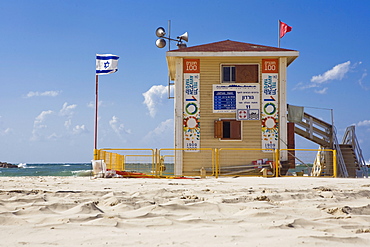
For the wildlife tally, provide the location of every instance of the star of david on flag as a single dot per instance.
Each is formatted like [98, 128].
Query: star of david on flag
[106, 64]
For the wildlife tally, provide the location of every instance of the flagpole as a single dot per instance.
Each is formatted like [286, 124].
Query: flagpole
[96, 117]
[279, 33]
[105, 64]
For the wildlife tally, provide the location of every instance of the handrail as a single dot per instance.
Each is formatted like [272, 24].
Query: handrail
[350, 138]
[340, 159]
[318, 130]
[315, 130]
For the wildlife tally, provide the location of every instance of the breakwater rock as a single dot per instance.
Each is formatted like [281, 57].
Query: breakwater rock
[7, 165]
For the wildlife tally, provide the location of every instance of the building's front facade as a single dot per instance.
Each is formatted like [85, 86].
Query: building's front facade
[229, 95]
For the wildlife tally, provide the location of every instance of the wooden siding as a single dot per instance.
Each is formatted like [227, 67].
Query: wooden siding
[210, 69]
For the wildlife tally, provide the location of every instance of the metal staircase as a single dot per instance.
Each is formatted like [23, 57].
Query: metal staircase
[349, 155]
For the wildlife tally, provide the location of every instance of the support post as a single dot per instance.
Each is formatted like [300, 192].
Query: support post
[277, 162]
[335, 169]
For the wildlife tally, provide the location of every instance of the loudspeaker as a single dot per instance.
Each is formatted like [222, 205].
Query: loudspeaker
[184, 36]
[160, 32]
[160, 43]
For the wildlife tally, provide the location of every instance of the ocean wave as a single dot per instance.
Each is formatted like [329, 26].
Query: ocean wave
[22, 165]
[82, 173]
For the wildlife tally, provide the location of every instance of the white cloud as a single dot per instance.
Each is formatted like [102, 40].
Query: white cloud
[67, 110]
[361, 81]
[118, 127]
[322, 91]
[153, 97]
[68, 123]
[163, 132]
[38, 124]
[364, 123]
[336, 73]
[53, 137]
[41, 118]
[91, 104]
[6, 131]
[46, 93]
[302, 86]
[79, 129]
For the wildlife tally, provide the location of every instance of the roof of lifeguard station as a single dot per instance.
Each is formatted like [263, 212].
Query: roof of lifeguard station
[229, 48]
[229, 45]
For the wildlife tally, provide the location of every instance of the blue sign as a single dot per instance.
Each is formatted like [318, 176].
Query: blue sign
[224, 100]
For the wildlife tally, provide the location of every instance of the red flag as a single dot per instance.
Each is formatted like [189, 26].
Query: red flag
[284, 28]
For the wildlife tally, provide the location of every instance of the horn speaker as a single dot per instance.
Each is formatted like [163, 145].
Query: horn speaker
[184, 36]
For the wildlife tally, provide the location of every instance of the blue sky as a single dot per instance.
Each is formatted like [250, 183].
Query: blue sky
[48, 68]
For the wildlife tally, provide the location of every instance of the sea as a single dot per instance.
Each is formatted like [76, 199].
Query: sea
[81, 169]
[45, 169]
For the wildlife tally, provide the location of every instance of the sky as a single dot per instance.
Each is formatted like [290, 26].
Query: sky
[47, 79]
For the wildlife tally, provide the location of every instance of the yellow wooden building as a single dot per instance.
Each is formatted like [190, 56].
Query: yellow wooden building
[232, 96]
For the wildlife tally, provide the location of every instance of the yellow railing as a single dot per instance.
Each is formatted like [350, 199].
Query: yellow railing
[217, 162]
[116, 158]
[207, 157]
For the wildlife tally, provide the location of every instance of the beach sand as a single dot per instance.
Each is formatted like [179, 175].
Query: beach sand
[254, 211]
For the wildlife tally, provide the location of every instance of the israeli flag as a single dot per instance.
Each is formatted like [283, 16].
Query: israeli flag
[106, 64]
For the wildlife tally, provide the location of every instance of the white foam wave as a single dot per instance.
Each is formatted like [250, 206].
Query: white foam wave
[82, 173]
[22, 165]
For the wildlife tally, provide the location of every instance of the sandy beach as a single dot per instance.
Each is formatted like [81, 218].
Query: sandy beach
[80, 211]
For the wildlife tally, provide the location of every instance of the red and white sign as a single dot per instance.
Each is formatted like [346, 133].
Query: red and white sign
[191, 66]
[242, 114]
[270, 66]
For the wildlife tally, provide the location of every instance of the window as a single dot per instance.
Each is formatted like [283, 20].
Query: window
[228, 129]
[228, 74]
[247, 73]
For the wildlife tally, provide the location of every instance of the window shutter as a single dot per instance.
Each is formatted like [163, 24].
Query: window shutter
[246, 73]
[235, 130]
[218, 129]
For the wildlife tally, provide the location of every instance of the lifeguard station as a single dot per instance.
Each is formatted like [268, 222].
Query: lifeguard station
[231, 118]
[231, 97]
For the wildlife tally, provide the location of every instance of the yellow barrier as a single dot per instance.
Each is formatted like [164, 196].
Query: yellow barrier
[198, 158]
[117, 159]
[216, 161]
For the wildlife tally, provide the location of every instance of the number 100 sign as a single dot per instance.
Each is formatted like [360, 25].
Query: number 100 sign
[191, 66]
[270, 66]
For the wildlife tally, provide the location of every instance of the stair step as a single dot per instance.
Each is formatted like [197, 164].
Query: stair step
[345, 145]
[350, 159]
